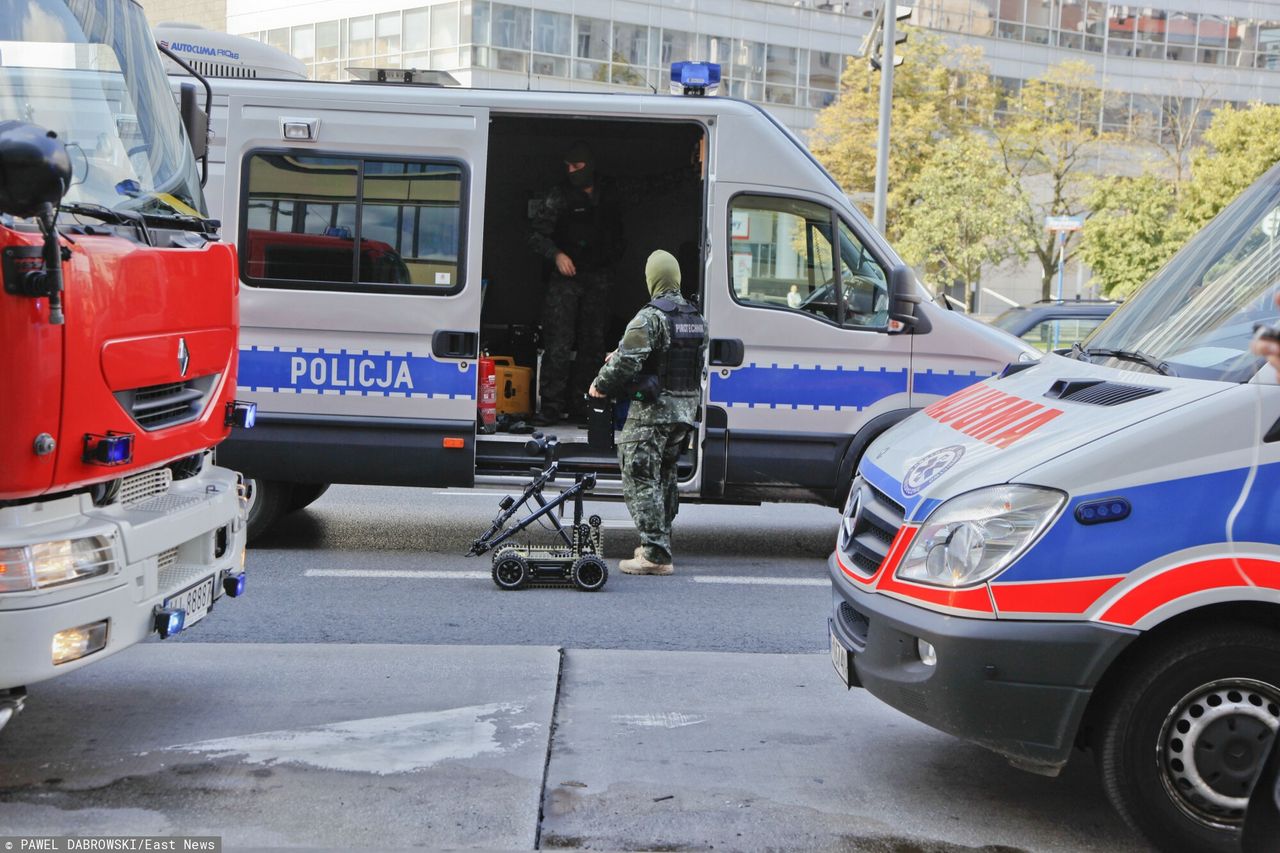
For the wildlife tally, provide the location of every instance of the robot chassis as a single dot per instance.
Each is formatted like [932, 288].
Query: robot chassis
[575, 560]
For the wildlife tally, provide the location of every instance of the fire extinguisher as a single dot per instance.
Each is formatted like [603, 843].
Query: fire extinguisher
[488, 418]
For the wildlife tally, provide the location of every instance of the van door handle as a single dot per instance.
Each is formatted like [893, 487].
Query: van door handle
[726, 352]
[450, 344]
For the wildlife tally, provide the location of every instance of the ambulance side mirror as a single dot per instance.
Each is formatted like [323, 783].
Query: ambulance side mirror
[904, 302]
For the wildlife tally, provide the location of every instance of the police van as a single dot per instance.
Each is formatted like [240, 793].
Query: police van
[382, 231]
[1085, 550]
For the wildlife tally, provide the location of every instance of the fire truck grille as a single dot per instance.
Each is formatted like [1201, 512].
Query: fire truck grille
[159, 406]
[139, 487]
[868, 528]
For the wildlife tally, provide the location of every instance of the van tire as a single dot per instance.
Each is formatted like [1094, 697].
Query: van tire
[267, 502]
[1229, 677]
[305, 494]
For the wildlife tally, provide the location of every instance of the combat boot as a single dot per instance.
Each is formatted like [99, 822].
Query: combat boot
[642, 565]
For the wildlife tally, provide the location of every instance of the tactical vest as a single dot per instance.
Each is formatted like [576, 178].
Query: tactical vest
[679, 367]
[588, 231]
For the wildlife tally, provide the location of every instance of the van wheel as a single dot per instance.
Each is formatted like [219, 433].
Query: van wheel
[267, 502]
[305, 494]
[1185, 734]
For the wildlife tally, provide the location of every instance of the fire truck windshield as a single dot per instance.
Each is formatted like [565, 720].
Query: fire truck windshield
[1195, 317]
[90, 71]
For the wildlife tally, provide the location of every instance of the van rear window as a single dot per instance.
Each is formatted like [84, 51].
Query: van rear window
[352, 223]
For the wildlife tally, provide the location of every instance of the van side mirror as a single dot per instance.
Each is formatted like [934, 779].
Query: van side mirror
[904, 299]
[194, 120]
[35, 169]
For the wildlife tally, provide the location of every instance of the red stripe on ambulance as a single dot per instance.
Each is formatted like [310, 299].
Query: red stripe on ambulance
[989, 415]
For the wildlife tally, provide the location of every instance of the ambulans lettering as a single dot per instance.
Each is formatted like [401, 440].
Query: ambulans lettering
[361, 373]
[351, 372]
[989, 415]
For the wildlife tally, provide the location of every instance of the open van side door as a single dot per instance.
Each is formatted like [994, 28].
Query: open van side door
[358, 221]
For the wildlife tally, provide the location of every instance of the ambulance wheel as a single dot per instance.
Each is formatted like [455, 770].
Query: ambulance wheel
[305, 494]
[590, 573]
[268, 500]
[510, 571]
[1185, 732]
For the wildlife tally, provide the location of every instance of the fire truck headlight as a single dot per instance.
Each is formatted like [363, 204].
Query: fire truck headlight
[46, 564]
[973, 537]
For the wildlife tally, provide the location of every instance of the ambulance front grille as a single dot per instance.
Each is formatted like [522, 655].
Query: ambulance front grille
[865, 535]
[139, 487]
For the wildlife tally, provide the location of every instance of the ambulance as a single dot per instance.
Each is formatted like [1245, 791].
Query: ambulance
[362, 344]
[1084, 551]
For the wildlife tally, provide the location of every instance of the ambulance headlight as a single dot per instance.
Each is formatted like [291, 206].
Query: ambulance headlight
[971, 538]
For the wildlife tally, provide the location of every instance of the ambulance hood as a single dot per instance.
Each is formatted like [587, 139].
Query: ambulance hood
[996, 430]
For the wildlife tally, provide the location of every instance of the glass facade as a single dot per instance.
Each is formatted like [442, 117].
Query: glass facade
[472, 35]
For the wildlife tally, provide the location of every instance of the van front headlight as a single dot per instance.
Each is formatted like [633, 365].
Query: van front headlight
[46, 564]
[973, 537]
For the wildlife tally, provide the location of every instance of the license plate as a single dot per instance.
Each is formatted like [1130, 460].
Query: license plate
[195, 600]
[840, 660]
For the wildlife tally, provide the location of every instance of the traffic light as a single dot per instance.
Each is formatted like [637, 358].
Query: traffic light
[873, 43]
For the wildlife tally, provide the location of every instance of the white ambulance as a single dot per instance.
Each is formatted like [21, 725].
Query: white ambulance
[1086, 552]
[382, 229]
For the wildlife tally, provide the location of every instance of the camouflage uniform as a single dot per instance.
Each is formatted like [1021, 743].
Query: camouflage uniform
[588, 228]
[655, 433]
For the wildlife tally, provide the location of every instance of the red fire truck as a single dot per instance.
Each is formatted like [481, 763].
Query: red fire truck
[118, 326]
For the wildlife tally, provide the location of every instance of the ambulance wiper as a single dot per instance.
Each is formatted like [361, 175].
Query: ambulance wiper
[1161, 367]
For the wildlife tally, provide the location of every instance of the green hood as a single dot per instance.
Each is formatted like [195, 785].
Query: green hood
[662, 273]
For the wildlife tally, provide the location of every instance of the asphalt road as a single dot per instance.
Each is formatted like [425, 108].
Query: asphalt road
[375, 690]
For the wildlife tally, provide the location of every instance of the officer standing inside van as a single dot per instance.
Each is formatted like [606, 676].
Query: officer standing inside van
[658, 366]
[578, 228]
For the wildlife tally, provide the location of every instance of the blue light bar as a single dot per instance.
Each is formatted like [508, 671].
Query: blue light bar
[695, 78]
[169, 621]
[241, 414]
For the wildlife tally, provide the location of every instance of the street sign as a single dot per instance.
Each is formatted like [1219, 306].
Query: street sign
[1063, 223]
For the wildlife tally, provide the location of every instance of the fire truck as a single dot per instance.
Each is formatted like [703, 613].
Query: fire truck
[118, 324]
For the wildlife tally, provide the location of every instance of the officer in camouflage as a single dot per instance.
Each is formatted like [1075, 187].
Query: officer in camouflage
[658, 366]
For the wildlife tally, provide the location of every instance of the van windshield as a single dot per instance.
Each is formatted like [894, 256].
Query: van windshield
[1195, 317]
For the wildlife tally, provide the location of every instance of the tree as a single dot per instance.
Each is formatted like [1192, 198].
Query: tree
[1239, 146]
[964, 215]
[938, 92]
[1045, 146]
[1131, 232]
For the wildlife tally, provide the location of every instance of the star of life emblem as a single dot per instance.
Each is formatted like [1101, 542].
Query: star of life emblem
[929, 468]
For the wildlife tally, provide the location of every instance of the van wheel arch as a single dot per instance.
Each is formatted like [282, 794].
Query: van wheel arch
[862, 439]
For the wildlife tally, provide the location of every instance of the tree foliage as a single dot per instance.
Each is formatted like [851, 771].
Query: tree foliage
[938, 92]
[1131, 230]
[964, 215]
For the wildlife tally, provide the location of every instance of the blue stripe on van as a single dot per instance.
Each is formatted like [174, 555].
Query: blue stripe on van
[364, 373]
[806, 387]
[945, 384]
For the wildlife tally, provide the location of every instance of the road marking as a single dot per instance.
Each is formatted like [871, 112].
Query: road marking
[424, 574]
[761, 581]
[470, 493]
[434, 574]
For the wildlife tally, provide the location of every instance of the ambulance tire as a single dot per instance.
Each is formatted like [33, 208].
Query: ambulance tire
[305, 494]
[1203, 707]
[268, 500]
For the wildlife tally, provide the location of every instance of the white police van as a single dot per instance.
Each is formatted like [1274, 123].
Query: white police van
[382, 238]
[1086, 551]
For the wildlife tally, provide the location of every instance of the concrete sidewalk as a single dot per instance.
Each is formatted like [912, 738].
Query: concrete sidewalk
[396, 746]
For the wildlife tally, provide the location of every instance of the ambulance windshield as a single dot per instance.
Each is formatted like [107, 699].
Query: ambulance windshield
[90, 71]
[1195, 317]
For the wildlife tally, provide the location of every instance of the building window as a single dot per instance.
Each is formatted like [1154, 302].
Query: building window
[361, 39]
[552, 33]
[510, 27]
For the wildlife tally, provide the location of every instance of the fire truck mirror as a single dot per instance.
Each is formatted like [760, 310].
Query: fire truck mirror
[35, 169]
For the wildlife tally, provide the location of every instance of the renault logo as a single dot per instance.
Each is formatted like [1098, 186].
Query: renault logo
[184, 357]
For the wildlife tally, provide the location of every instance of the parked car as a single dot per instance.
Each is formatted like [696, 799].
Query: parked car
[1055, 323]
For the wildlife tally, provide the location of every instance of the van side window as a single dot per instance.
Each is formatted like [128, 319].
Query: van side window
[304, 217]
[782, 257]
